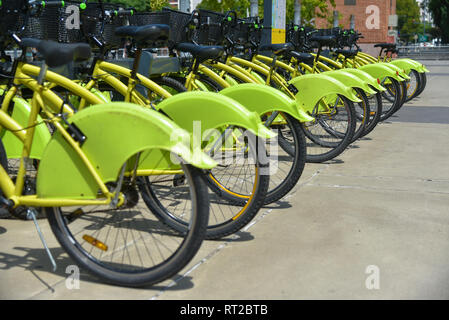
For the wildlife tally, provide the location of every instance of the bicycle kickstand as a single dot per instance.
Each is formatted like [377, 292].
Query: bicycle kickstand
[31, 214]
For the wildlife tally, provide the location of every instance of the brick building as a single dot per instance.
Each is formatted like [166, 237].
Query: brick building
[375, 19]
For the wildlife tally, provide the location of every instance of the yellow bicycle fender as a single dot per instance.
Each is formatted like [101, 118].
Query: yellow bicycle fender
[349, 80]
[115, 133]
[401, 72]
[380, 71]
[13, 145]
[258, 77]
[312, 88]
[263, 99]
[409, 64]
[231, 80]
[368, 79]
[208, 110]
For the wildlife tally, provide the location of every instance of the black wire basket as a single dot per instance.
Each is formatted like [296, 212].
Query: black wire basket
[248, 30]
[211, 31]
[100, 20]
[11, 13]
[179, 26]
[59, 24]
[176, 20]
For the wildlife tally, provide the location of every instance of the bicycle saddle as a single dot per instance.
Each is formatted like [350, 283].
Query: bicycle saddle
[323, 41]
[58, 54]
[201, 52]
[303, 57]
[385, 45]
[150, 34]
[347, 53]
[278, 48]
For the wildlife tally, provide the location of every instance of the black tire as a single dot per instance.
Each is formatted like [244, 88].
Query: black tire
[319, 149]
[413, 85]
[4, 213]
[423, 77]
[234, 204]
[227, 214]
[403, 86]
[375, 102]
[171, 84]
[247, 193]
[143, 228]
[362, 114]
[391, 99]
[292, 141]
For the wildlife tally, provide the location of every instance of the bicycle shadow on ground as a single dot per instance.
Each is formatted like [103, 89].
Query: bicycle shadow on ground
[333, 161]
[280, 204]
[36, 261]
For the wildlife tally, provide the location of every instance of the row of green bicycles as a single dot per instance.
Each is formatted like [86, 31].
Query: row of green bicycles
[136, 159]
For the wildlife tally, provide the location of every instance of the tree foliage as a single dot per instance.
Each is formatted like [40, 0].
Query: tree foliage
[440, 13]
[239, 6]
[142, 5]
[409, 18]
[310, 9]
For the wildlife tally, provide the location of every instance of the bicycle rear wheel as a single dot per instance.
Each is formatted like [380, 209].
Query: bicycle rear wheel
[423, 83]
[362, 114]
[413, 85]
[237, 186]
[331, 132]
[391, 98]
[375, 104]
[129, 245]
[287, 157]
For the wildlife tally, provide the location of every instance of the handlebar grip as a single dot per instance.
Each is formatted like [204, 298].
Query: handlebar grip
[47, 4]
[124, 12]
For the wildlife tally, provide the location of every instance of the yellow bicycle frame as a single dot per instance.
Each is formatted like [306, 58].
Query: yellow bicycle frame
[42, 98]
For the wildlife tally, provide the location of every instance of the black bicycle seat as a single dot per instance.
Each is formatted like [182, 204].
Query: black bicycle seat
[278, 48]
[347, 53]
[303, 57]
[385, 45]
[58, 54]
[324, 41]
[201, 52]
[150, 34]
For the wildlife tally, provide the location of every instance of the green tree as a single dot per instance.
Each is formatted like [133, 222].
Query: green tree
[239, 6]
[409, 19]
[142, 5]
[310, 9]
[440, 13]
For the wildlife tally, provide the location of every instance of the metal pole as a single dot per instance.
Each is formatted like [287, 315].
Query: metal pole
[297, 12]
[336, 22]
[352, 24]
[254, 8]
[266, 32]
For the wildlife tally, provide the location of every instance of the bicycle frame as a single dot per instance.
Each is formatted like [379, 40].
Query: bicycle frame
[231, 113]
[23, 76]
[64, 153]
